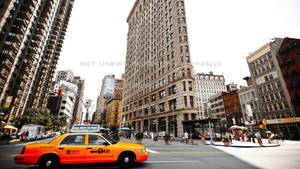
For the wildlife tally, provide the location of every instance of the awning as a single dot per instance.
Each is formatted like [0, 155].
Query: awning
[9, 127]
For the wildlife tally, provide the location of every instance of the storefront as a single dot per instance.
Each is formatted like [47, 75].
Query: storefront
[289, 127]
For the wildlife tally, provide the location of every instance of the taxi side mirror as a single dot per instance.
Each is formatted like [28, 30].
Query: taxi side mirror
[106, 144]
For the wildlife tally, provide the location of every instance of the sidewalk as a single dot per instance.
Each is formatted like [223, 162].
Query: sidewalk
[149, 142]
[248, 144]
[287, 155]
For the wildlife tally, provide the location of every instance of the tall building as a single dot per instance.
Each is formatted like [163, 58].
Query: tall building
[106, 93]
[289, 62]
[232, 108]
[68, 99]
[218, 110]
[207, 85]
[65, 75]
[275, 102]
[159, 87]
[31, 38]
[78, 107]
[249, 104]
[113, 106]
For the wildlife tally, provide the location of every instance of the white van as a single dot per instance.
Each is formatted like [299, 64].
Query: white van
[35, 132]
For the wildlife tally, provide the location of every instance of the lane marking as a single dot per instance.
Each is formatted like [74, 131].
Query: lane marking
[172, 161]
[151, 151]
[193, 152]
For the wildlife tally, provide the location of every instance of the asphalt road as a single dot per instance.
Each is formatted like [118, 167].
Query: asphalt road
[175, 156]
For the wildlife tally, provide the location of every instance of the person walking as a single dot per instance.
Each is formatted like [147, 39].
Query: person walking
[186, 137]
[258, 136]
[203, 138]
[281, 136]
[191, 138]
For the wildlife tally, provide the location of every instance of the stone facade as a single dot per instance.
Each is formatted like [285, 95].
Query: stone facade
[218, 110]
[274, 99]
[159, 87]
[207, 85]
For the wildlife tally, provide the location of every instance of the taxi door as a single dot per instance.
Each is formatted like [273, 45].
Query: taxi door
[96, 151]
[72, 149]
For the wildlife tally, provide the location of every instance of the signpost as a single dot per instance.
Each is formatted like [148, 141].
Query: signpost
[209, 120]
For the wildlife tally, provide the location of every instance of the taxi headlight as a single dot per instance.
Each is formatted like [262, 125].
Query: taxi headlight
[142, 150]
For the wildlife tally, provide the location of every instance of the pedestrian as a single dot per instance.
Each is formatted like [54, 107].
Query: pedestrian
[243, 137]
[281, 136]
[22, 136]
[203, 137]
[190, 137]
[258, 136]
[277, 138]
[253, 138]
[186, 137]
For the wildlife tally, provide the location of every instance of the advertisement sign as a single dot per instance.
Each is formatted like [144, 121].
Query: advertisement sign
[249, 113]
[7, 102]
[109, 86]
[85, 128]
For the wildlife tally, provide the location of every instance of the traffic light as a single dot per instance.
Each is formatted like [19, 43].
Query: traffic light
[59, 92]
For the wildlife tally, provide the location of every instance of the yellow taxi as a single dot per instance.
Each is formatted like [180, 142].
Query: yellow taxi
[78, 148]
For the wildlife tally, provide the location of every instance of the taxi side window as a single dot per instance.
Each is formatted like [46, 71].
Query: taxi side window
[77, 140]
[96, 140]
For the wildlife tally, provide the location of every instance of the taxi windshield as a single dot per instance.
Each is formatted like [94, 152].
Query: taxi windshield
[110, 138]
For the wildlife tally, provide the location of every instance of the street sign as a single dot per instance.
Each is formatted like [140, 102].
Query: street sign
[8, 101]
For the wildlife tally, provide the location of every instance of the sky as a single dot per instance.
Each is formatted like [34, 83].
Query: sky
[221, 34]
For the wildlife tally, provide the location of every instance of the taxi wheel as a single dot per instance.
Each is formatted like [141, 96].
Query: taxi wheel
[49, 162]
[126, 160]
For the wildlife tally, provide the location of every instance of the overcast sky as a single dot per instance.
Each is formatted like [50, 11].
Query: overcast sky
[221, 34]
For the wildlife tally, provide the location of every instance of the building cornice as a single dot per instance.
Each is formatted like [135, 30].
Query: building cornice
[132, 10]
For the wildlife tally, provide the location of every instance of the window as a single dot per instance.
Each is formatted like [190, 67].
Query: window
[192, 101]
[184, 86]
[162, 107]
[153, 109]
[185, 101]
[172, 90]
[187, 59]
[73, 140]
[186, 116]
[162, 94]
[153, 97]
[172, 104]
[96, 140]
[190, 86]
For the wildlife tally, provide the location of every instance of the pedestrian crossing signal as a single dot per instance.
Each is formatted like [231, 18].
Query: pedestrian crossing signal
[59, 92]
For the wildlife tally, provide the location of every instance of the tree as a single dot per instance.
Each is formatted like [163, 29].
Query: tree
[35, 115]
[41, 116]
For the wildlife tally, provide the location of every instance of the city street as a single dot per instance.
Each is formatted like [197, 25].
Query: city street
[178, 156]
[174, 156]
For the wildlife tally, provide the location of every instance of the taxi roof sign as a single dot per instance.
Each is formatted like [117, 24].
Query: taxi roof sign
[92, 128]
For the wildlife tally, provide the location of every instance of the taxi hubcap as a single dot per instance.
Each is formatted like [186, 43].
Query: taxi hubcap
[126, 160]
[48, 163]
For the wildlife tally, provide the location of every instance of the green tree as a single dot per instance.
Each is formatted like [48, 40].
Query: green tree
[35, 115]
[41, 116]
